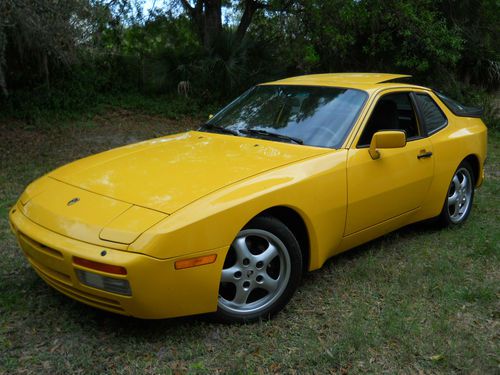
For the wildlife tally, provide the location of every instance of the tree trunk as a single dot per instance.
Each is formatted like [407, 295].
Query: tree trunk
[3, 83]
[212, 22]
[45, 62]
[207, 17]
[251, 7]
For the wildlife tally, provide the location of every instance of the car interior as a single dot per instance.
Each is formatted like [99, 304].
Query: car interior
[392, 112]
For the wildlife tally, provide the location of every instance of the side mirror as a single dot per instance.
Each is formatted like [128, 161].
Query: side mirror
[210, 116]
[386, 139]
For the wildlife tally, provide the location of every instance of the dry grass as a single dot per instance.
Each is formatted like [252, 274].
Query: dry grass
[415, 301]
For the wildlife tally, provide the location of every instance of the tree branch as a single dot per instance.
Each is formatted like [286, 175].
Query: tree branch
[188, 7]
[251, 6]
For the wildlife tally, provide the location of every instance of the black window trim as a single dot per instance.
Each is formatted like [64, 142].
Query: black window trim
[421, 128]
[421, 117]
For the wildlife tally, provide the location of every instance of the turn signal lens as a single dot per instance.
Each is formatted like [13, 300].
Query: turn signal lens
[103, 267]
[195, 262]
[109, 284]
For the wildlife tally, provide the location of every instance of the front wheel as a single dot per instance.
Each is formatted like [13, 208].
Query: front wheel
[261, 271]
[458, 202]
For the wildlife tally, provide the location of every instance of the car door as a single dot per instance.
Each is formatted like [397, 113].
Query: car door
[397, 182]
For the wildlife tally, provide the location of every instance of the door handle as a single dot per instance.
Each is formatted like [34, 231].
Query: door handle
[427, 154]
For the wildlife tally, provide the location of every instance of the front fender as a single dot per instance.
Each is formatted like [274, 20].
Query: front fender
[315, 188]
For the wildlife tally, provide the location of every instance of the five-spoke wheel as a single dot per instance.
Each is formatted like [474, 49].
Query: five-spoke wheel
[460, 195]
[261, 271]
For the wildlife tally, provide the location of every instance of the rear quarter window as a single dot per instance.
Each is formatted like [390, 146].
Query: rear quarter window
[434, 118]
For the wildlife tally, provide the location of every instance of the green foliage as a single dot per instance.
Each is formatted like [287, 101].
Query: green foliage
[394, 35]
[170, 106]
[71, 57]
[38, 37]
[477, 22]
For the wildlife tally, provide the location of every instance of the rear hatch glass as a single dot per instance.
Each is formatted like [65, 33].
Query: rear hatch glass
[459, 109]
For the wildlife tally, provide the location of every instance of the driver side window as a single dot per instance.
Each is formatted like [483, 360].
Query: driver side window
[392, 112]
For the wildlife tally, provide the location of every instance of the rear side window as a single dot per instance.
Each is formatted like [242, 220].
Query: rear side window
[434, 118]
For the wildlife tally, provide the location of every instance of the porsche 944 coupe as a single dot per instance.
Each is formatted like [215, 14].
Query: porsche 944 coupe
[226, 219]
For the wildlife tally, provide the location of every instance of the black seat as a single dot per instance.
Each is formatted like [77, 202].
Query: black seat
[384, 117]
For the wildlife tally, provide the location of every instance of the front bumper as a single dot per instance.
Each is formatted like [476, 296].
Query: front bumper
[158, 289]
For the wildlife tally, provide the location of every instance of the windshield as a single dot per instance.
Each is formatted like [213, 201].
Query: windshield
[316, 116]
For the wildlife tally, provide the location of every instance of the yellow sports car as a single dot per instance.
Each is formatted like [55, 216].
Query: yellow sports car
[226, 219]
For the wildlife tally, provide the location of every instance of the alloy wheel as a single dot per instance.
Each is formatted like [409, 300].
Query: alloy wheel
[459, 195]
[255, 273]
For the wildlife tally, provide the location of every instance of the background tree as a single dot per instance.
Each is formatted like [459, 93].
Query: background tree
[36, 36]
[65, 55]
[477, 22]
[207, 17]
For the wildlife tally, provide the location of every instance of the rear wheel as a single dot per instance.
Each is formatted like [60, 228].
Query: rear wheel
[458, 202]
[261, 271]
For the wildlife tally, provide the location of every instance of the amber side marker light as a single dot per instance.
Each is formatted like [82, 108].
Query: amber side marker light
[195, 262]
[103, 267]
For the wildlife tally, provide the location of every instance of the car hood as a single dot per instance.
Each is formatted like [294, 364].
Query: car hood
[166, 174]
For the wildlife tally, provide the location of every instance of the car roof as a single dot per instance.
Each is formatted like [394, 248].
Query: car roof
[363, 81]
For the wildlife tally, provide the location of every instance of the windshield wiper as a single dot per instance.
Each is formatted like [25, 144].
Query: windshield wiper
[219, 129]
[273, 135]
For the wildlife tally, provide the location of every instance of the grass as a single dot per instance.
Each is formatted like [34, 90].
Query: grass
[415, 301]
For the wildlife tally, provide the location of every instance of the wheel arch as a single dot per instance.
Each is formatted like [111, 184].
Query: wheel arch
[294, 221]
[473, 160]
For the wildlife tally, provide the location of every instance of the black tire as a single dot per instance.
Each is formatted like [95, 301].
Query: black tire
[452, 216]
[244, 265]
